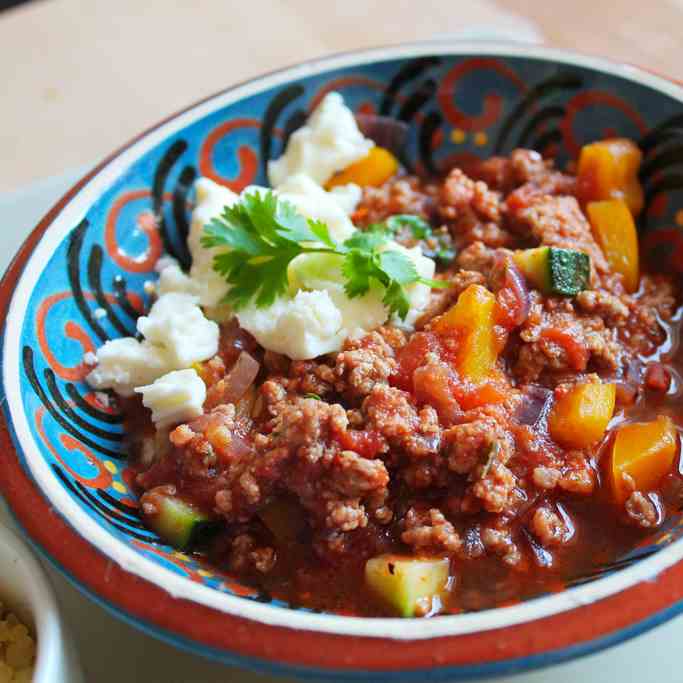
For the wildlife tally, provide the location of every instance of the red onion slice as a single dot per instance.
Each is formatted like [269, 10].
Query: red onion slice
[240, 378]
[535, 405]
[384, 131]
[506, 276]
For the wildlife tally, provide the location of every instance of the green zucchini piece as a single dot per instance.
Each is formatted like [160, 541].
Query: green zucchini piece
[555, 271]
[404, 583]
[177, 521]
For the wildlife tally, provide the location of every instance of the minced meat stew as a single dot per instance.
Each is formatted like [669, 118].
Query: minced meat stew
[521, 433]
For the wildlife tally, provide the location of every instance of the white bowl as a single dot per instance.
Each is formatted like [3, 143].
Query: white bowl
[26, 589]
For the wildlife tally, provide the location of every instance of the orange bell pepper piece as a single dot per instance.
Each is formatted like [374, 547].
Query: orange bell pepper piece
[615, 231]
[609, 170]
[372, 170]
[645, 451]
[472, 319]
[579, 417]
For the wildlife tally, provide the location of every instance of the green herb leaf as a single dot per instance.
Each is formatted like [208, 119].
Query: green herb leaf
[398, 267]
[368, 240]
[418, 226]
[396, 300]
[261, 234]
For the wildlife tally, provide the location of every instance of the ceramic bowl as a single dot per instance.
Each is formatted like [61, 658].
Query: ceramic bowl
[25, 588]
[69, 484]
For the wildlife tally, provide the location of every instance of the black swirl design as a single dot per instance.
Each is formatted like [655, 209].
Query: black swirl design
[111, 418]
[174, 241]
[95, 282]
[528, 107]
[63, 421]
[121, 294]
[662, 167]
[180, 214]
[404, 77]
[61, 403]
[270, 118]
[125, 525]
[74, 273]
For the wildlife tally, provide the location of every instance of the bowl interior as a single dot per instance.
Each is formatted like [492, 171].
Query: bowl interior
[85, 282]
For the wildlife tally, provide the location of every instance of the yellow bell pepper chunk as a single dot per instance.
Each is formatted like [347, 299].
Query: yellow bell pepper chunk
[580, 416]
[615, 231]
[609, 170]
[645, 452]
[472, 321]
[372, 170]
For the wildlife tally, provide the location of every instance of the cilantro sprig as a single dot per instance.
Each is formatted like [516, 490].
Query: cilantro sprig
[437, 245]
[264, 234]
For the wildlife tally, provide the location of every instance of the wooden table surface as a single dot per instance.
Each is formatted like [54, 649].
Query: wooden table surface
[80, 77]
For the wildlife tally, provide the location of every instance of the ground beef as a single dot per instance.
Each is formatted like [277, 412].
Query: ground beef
[642, 510]
[522, 167]
[246, 556]
[460, 193]
[494, 487]
[549, 528]
[391, 412]
[546, 477]
[477, 257]
[604, 305]
[407, 194]
[311, 377]
[430, 530]
[500, 542]
[555, 340]
[366, 362]
[478, 443]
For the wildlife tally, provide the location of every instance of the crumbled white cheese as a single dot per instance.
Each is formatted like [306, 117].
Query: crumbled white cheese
[347, 196]
[329, 142]
[418, 294]
[100, 313]
[313, 202]
[90, 358]
[306, 326]
[149, 287]
[172, 278]
[123, 364]
[320, 316]
[177, 324]
[174, 398]
[211, 199]
[176, 333]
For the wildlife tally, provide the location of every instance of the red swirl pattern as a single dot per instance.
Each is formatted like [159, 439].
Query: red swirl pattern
[492, 102]
[72, 330]
[148, 225]
[248, 161]
[344, 82]
[102, 480]
[589, 98]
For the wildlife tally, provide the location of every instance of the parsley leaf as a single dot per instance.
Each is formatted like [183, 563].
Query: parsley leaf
[259, 236]
[419, 227]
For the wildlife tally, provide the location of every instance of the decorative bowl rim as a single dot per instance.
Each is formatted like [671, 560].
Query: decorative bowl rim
[71, 209]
